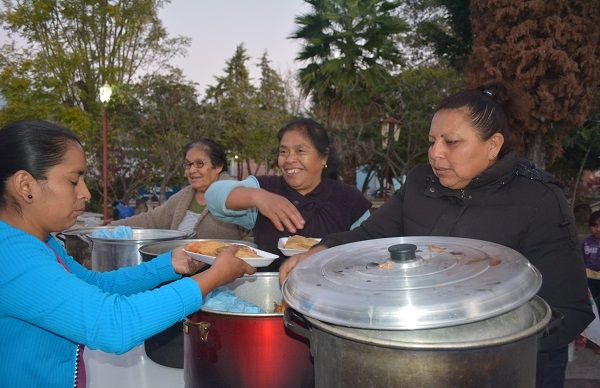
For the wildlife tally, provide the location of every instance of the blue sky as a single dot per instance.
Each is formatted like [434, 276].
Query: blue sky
[216, 27]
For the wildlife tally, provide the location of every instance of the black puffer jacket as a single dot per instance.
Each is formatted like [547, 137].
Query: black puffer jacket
[512, 204]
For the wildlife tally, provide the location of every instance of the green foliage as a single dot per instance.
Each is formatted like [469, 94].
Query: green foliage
[27, 96]
[247, 117]
[350, 52]
[272, 114]
[153, 119]
[350, 49]
[581, 152]
[445, 27]
[67, 50]
[412, 97]
[231, 103]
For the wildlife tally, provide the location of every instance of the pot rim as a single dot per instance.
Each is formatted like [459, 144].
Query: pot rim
[169, 234]
[76, 232]
[238, 282]
[353, 334]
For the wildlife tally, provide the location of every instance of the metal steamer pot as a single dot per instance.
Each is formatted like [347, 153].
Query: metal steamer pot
[166, 347]
[109, 254]
[76, 244]
[419, 311]
[223, 349]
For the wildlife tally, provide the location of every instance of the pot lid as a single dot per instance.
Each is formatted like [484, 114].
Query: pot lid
[421, 282]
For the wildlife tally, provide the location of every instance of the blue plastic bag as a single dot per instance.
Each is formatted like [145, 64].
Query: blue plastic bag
[224, 300]
[116, 233]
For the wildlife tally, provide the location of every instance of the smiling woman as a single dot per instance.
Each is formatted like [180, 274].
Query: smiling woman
[306, 199]
[204, 163]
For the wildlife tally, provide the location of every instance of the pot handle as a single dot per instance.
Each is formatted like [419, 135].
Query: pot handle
[84, 237]
[203, 328]
[555, 321]
[61, 236]
[291, 318]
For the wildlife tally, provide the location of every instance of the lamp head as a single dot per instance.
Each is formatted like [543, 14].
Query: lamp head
[105, 93]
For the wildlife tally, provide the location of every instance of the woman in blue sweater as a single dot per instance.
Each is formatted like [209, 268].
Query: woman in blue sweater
[51, 306]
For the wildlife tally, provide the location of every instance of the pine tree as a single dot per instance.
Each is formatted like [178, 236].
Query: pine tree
[548, 49]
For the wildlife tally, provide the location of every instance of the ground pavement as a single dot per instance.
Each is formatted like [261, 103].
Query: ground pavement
[583, 371]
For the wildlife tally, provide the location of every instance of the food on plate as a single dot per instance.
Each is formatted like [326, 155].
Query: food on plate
[300, 242]
[592, 274]
[214, 247]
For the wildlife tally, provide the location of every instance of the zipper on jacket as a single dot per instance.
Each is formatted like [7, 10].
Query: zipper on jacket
[78, 349]
[464, 195]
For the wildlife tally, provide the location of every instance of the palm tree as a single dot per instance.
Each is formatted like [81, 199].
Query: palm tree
[350, 49]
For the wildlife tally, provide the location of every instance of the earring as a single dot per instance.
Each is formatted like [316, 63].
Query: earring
[325, 165]
[29, 196]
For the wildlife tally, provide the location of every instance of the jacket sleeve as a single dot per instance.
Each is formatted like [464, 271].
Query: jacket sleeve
[216, 197]
[383, 222]
[550, 243]
[35, 288]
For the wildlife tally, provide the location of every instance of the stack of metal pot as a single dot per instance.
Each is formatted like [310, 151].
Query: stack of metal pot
[166, 348]
[112, 253]
[419, 311]
[226, 349]
[76, 244]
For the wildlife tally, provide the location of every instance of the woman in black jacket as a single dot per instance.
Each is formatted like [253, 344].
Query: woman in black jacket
[475, 187]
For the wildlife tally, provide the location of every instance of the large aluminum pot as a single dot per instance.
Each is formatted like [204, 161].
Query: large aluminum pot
[77, 245]
[109, 254]
[419, 311]
[223, 349]
[427, 358]
[166, 347]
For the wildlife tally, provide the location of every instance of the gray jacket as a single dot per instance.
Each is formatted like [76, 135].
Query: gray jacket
[170, 214]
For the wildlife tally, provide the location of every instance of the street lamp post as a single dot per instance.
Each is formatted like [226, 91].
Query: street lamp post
[390, 134]
[105, 93]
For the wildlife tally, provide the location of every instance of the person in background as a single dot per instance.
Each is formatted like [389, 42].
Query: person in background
[306, 199]
[121, 210]
[590, 247]
[475, 187]
[204, 162]
[50, 305]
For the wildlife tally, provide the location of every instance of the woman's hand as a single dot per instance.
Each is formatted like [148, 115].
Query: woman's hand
[225, 268]
[291, 262]
[183, 264]
[282, 213]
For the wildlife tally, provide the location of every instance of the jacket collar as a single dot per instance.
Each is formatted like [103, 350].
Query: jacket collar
[499, 172]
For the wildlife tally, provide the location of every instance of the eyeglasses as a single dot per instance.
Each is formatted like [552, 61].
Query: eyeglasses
[196, 163]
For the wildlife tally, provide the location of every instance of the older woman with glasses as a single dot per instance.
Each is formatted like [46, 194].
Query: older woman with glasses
[204, 163]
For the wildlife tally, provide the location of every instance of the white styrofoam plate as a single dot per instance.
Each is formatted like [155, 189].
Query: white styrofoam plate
[265, 258]
[290, 252]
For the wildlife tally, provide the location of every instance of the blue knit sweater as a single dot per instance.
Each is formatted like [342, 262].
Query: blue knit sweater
[46, 311]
